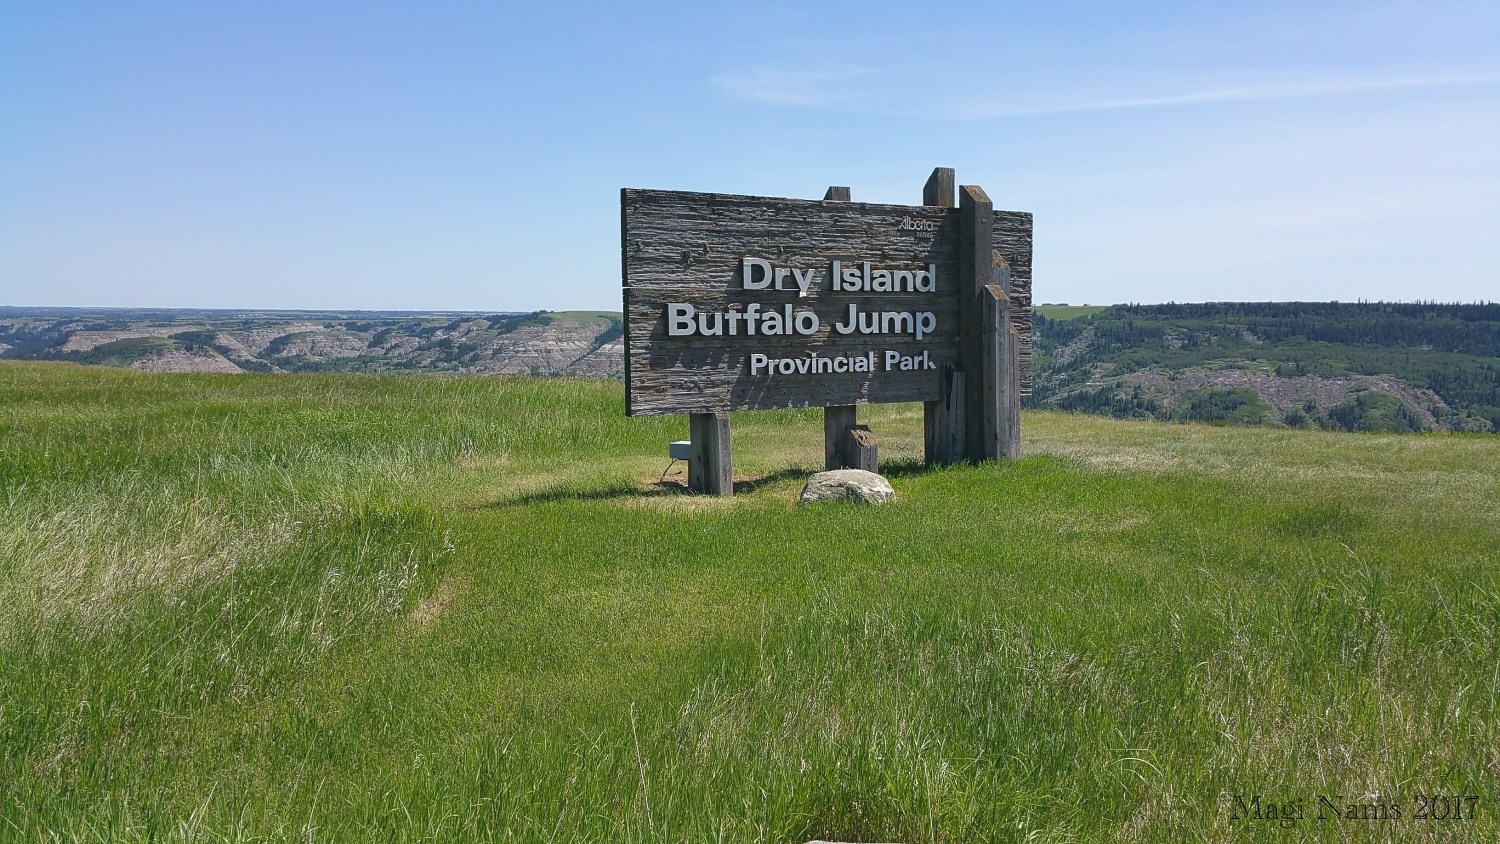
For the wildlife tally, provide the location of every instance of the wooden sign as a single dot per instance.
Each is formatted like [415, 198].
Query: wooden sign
[752, 303]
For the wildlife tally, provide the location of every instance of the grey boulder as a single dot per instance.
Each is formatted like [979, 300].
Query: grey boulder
[848, 485]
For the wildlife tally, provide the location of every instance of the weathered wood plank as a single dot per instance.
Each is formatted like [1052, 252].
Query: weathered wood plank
[719, 386]
[943, 419]
[976, 236]
[711, 469]
[860, 449]
[939, 437]
[674, 237]
[1013, 241]
[1011, 419]
[1008, 382]
[938, 192]
[1002, 402]
[992, 376]
[689, 248]
[838, 420]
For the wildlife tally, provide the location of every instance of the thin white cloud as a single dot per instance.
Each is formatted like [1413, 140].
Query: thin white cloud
[1243, 93]
[826, 86]
[861, 88]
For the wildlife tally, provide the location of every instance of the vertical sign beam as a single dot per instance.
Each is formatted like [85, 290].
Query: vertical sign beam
[992, 379]
[942, 420]
[938, 192]
[1012, 420]
[1002, 373]
[711, 469]
[1002, 379]
[625, 311]
[975, 249]
[1009, 384]
[838, 420]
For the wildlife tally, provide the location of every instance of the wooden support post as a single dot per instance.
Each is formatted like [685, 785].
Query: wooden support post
[711, 469]
[975, 250]
[860, 449]
[1002, 382]
[991, 375]
[838, 420]
[1009, 364]
[938, 192]
[1012, 417]
[942, 420]
[847, 445]
[1002, 372]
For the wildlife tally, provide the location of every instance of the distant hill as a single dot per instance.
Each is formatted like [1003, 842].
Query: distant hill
[1362, 366]
[538, 343]
[1069, 311]
[1352, 366]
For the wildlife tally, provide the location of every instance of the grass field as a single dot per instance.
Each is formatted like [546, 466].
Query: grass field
[1068, 311]
[355, 608]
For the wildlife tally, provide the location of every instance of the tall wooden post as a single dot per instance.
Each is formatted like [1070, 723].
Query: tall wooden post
[938, 192]
[839, 420]
[942, 420]
[1008, 366]
[711, 468]
[1002, 379]
[975, 247]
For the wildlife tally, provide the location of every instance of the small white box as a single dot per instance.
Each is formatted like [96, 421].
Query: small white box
[681, 450]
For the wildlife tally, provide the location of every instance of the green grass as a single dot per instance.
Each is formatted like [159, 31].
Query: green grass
[582, 316]
[358, 608]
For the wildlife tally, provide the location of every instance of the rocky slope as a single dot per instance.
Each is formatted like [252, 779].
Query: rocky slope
[1427, 367]
[541, 343]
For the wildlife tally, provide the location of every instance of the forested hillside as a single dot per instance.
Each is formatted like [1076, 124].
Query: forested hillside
[1351, 366]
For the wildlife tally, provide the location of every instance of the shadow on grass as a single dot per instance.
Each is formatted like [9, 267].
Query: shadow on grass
[676, 485]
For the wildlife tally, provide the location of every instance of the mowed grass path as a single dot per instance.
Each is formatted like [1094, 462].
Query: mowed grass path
[342, 608]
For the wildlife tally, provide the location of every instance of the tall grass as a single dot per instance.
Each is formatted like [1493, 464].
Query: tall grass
[329, 608]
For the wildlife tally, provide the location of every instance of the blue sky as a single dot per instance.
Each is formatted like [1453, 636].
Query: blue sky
[435, 155]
